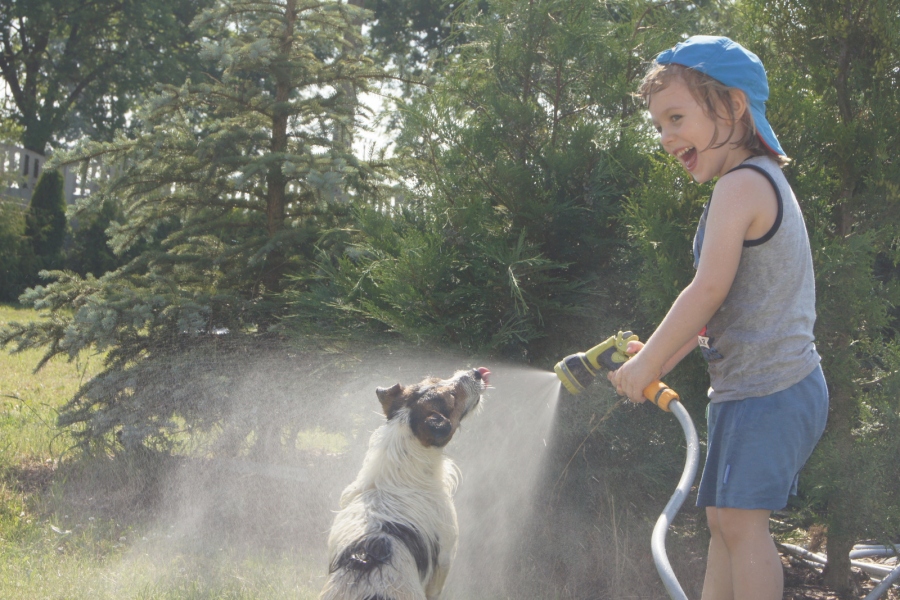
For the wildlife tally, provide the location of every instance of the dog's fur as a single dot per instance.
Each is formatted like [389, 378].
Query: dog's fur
[396, 533]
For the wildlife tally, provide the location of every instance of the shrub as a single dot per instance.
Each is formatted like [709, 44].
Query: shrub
[15, 252]
[45, 222]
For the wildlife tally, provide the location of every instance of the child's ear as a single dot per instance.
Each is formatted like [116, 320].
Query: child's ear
[738, 103]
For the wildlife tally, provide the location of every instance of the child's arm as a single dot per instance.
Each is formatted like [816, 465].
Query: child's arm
[743, 205]
[635, 347]
[679, 356]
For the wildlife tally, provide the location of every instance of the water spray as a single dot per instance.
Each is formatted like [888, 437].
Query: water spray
[577, 370]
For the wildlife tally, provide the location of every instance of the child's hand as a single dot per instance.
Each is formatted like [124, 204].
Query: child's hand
[632, 377]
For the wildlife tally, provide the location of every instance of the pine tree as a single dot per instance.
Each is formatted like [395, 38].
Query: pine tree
[239, 175]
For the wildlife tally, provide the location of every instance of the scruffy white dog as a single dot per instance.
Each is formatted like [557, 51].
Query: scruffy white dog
[396, 533]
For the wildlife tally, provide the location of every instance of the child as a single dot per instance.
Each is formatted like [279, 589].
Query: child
[753, 301]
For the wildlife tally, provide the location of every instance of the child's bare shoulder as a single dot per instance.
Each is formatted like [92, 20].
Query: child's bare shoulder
[744, 181]
[746, 196]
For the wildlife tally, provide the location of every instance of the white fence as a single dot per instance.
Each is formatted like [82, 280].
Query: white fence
[21, 168]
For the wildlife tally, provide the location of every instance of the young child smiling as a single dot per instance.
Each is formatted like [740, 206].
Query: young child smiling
[752, 300]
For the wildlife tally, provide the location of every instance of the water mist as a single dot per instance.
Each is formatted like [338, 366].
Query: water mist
[260, 490]
[501, 454]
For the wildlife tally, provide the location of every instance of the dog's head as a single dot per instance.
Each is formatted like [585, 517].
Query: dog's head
[435, 406]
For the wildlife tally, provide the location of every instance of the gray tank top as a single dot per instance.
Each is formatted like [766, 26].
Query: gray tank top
[760, 341]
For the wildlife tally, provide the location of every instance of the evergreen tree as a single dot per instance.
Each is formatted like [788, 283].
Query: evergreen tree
[416, 34]
[14, 251]
[515, 162]
[834, 72]
[45, 223]
[241, 170]
[90, 251]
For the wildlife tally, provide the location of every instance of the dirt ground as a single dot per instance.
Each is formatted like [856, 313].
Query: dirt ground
[802, 582]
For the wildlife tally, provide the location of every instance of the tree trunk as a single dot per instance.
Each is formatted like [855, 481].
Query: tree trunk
[276, 182]
[842, 509]
[343, 135]
[36, 136]
[840, 541]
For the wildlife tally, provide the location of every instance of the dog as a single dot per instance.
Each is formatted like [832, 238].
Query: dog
[396, 533]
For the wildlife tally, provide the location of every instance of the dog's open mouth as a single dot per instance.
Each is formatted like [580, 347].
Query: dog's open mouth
[481, 375]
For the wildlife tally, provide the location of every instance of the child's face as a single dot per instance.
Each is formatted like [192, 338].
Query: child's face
[686, 131]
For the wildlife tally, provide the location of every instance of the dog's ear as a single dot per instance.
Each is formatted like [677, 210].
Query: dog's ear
[388, 397]
[440, 430]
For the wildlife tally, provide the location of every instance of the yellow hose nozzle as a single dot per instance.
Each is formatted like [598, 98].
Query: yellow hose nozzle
[576, 370]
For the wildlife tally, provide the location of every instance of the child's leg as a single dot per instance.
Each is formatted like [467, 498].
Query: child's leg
[717, 582]
[743, 563]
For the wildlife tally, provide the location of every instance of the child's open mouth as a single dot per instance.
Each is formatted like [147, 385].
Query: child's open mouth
[688, 158]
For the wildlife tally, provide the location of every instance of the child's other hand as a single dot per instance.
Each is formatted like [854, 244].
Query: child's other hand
[632, 377]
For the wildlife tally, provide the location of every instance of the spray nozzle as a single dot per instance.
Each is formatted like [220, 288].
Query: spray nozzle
[577, 370]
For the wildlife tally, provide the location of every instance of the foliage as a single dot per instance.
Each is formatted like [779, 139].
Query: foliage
[514, 165]
[415, 275]
[90, 251]
[241, 171]
[835, 85]
[661, 217]
[45, 223]
[10, 131]
[415, 32]
[15, 251]
[76, 68]
[533, 121]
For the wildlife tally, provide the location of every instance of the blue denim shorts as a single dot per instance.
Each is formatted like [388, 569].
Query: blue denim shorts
[756, 447]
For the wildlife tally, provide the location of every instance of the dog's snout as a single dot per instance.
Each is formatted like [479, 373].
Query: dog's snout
[482, 373]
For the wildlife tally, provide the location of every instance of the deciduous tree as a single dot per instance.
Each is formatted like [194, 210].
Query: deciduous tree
[76, 67]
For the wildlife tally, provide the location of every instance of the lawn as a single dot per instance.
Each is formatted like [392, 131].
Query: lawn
[77, 528]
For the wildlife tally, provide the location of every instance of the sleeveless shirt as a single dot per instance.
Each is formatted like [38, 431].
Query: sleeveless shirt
[760, 341]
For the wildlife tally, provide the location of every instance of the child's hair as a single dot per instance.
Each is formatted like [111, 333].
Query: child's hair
[710, 94]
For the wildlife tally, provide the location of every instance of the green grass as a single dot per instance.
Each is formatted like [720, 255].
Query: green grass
[319, 439]
[58, 541]
[29, 401]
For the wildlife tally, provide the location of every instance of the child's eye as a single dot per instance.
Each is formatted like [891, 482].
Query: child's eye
[675, 118]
